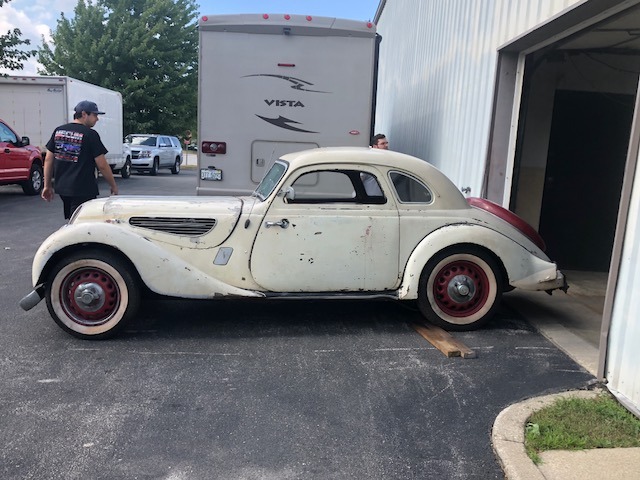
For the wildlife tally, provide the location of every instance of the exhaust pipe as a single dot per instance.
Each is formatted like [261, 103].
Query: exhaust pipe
[33, 298]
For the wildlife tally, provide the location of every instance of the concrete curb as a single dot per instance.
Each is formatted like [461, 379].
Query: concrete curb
[507, 435]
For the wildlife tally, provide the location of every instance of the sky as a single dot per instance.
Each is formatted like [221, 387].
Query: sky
[36, 18]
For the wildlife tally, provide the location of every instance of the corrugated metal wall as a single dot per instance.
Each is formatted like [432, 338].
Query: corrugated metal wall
[436, 78]
[623, 354]
[438, 62]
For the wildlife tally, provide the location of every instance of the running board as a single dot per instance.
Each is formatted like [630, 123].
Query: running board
[332, 295]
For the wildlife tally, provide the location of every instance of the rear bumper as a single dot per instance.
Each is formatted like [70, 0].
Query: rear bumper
[547, 280]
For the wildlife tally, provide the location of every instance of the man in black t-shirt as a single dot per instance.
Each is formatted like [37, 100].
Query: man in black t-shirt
[73, 153]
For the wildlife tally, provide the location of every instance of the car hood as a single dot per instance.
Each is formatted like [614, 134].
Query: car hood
[170, 219]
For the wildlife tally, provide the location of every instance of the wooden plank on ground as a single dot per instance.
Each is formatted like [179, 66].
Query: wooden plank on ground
[443, 341]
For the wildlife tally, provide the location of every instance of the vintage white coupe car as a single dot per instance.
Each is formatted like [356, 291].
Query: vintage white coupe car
[352, 223]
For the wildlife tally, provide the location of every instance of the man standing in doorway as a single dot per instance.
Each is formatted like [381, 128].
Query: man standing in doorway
[380, 141]
[73, 153]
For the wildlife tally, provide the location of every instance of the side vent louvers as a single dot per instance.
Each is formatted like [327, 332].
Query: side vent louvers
[189, 227]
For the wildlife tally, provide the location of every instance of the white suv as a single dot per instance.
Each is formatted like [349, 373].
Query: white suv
[151, 152]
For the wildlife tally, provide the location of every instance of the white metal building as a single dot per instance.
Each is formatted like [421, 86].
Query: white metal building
[533, 104]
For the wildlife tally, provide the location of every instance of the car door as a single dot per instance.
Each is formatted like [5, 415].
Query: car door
[177, 149]
[327, 235]
[166, 151]
[177, 146]
[14, 160]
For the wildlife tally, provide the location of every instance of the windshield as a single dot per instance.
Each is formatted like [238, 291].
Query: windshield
[271, 179]
[143, 140]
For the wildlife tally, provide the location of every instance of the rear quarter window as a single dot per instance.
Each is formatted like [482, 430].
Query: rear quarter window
[410, 190]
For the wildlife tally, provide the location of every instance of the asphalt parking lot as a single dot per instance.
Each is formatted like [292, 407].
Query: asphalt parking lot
[248, 389]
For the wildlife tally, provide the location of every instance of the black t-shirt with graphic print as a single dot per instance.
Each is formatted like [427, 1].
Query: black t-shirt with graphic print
[75, 148]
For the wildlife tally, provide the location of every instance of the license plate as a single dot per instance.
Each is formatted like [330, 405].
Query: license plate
[210, 174]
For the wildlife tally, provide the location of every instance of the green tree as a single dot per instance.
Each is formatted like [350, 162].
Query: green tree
[145, 49]
[12, 57]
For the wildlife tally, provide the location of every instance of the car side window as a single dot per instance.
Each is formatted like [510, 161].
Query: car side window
[410, 190]
[175, 142]
[371, 185]
[164, 142]
[6, 135]
[333, 186]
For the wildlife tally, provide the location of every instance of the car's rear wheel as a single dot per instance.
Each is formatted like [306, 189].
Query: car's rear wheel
[460, 288]
[155, 167]
[125, 171]
[176, 166]
[34, 185]
[92, 294]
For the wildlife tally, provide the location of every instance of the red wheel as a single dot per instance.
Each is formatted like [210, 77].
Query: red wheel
[91, 295]
[460, 289]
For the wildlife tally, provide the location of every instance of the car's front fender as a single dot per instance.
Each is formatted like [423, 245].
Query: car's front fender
[161, 270]
[524, 269]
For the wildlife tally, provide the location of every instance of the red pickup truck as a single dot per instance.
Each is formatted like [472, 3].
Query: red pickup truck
[20, 163]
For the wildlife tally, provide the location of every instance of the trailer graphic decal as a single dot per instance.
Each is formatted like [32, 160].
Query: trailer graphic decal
[282, 123]
[268, 95]
[298, 84]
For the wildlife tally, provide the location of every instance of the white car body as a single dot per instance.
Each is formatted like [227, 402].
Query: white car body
[301, 236]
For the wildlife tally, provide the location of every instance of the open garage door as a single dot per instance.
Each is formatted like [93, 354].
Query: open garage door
[589, 136]
[566, 125]
[562, 116]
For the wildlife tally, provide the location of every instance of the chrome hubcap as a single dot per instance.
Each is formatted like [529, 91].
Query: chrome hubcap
[36, 181]
[90, 296]
[461, 289]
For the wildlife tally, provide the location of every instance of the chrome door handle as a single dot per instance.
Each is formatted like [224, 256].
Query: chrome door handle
[284, 223]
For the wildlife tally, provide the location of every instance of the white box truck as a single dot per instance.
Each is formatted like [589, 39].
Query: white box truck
[275, 84]
[36, 105]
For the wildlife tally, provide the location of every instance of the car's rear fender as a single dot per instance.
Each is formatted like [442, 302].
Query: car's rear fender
[522, 269]
[159, 269]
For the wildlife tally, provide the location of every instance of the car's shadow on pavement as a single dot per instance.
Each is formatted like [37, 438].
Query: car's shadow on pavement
[235, 318]
[252, 318]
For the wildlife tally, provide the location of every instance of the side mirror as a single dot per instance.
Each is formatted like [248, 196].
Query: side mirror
[26, 141]
[287, 193]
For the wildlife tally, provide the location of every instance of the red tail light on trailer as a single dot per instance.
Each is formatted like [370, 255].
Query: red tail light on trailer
[214, 147]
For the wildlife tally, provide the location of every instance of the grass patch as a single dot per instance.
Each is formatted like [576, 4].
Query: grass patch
[581, 423]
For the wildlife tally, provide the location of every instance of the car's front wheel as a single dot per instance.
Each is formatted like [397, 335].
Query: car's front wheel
[125, 171]
[460, 288]
[176, 166]
[92, 294]
[34, 185]
[155, 167]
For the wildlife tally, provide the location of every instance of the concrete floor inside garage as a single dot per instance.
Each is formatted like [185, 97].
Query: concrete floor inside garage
[571, 321]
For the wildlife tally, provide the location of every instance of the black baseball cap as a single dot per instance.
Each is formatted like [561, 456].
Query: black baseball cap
[89, 107]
